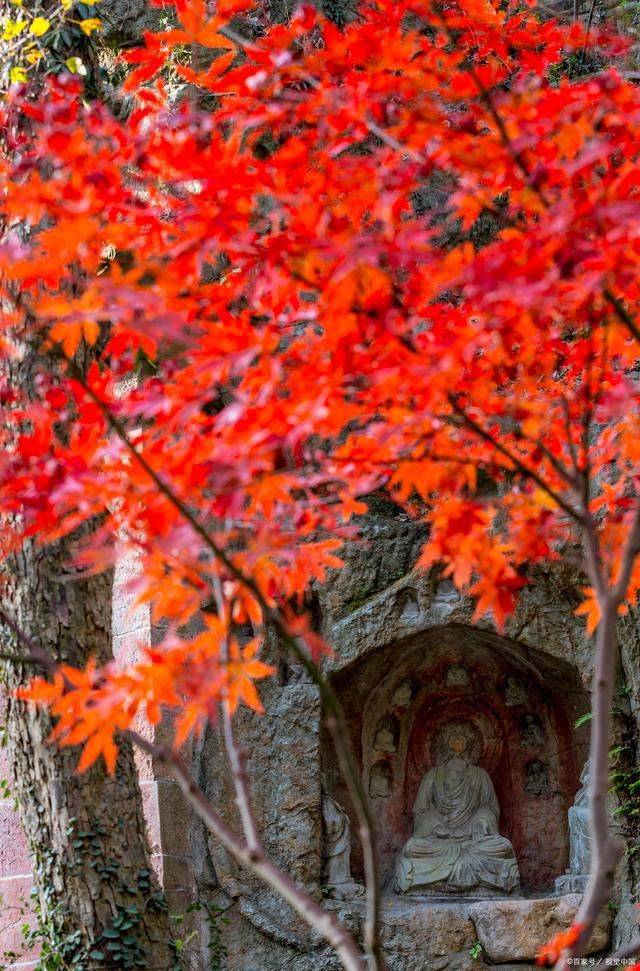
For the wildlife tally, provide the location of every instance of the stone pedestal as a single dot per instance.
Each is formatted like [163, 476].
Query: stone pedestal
[438, 935]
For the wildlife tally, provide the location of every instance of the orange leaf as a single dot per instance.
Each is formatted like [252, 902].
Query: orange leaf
[590, 609]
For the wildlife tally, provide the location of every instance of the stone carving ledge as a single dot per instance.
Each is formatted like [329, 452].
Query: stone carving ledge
[439, 935]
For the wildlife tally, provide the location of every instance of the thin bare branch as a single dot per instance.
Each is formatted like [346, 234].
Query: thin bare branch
[27, 660]
[234, 752]
[593, 559]
[570, 442]
[626, 951]
[622, 313]
[255, 860]
[518, 465]
[564, 473]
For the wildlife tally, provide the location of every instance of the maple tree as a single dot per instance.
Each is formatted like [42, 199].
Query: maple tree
[280, 331]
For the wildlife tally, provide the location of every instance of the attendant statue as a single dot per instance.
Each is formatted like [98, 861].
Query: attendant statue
[456, 845]
[577, 876]
[336, 869]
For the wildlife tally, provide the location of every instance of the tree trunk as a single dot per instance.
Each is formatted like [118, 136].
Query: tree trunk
[97, 894]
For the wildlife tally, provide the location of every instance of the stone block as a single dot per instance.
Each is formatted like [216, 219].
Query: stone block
[515, 930]
[174, 813]
[176, 874]
[149, 793]
[438, 937]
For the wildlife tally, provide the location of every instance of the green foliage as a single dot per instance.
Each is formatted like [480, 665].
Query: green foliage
[476, 950]
[120, 944]
[625, 784]
[216, 949]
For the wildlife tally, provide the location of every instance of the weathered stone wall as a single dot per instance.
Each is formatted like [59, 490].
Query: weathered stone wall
[389, 625]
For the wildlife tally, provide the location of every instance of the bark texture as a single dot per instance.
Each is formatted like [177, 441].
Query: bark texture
[99, 902]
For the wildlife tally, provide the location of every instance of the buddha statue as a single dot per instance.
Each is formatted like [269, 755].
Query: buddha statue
[456, 845]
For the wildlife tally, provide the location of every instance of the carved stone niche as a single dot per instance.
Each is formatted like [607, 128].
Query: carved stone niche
[398, 698]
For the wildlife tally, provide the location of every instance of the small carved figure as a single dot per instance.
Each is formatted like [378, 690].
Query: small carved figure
[387, 734]
[457, 676]
[531, 732]
[446, 592]
[537, 781]
[456, 843]
[408, 607]
[514, 692]
[403, 694]
[380, 780]
[336, 868]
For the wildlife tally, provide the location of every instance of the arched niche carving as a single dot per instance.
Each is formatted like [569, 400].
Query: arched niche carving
[415, 670]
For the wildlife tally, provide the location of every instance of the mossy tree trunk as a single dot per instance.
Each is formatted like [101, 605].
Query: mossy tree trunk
[99, 902]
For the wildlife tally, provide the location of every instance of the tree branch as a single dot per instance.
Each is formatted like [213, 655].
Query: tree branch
[19, 659]
[235, 754]
[564, 473]
[570, 443]
[518, 465]
[626, 951]
[622, 313]
[255, 859]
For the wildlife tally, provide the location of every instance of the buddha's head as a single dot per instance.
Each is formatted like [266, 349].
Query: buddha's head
[457, 742]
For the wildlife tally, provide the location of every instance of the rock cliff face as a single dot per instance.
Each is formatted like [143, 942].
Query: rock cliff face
[408, 656]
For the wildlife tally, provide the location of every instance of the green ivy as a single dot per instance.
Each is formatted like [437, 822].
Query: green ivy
[216, 948]
[121, 943]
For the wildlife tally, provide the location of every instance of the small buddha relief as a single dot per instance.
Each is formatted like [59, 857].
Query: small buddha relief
[457, 676]
[537, 778]
[456, 843]
[407, 606]
[531, 732]
[446, 593]
[387, 734]
[401, 697]
[380, 780]
[515, 692]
